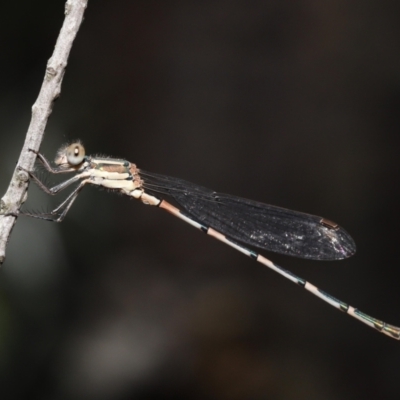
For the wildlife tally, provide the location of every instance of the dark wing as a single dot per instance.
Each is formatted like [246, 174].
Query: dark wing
[257, 224]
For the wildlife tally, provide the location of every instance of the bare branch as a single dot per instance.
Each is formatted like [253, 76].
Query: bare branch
[16, 193]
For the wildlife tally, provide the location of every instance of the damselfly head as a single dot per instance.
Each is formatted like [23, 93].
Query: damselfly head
[70, 155]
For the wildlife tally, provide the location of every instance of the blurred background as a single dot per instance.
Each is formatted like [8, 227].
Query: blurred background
[292, 103]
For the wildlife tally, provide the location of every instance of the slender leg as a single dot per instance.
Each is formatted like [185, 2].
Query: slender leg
[58, 188]
[54, 215]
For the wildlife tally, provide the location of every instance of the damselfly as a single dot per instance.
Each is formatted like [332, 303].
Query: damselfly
[232, 220]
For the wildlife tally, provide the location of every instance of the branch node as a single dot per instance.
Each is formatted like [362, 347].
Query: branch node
[50, 73]
[68, 7]
[3, 207]
[22, 175]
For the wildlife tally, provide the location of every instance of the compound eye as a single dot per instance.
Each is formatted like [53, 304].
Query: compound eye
[75, 153]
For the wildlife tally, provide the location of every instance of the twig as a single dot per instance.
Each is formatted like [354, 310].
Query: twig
[16, 193]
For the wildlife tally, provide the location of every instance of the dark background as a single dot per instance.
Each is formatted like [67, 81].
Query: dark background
[286, 102]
